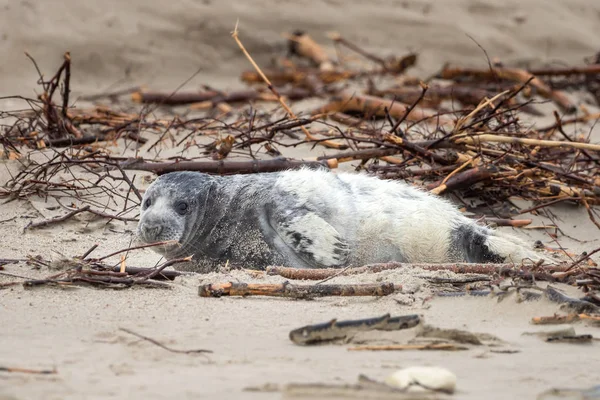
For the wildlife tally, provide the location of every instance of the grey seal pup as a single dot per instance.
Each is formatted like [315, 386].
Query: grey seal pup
[311, 218]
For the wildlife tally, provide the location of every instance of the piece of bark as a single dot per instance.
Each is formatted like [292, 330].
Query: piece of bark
[295, 291]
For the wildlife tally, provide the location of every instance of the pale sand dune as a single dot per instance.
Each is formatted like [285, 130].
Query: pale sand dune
[160, 44]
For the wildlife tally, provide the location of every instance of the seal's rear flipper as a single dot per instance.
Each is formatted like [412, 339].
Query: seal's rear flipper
[478, 244]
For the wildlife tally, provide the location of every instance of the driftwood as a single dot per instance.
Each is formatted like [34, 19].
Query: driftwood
[335, 330]
[163, 275]
[28, 370]
[466, 94]
[72, 213]
[290, 113]
[320, 274]
[106, 278]
[516, 223]
[295, 291]
[515, 75]
[301, 44]
[564, 319]
[174, 98]
[592, 69]
[396, 347]
[223, 167]
[577, 305]
[483, 138]
[212, 98]
[364, 154]
[58, 123]
[570, 339]
[464, 179]
[391, 64]
[372, 106]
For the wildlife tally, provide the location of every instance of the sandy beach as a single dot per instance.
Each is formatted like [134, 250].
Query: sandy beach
[159, 45]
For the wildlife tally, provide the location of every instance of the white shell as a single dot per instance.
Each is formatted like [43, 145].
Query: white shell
[423, 379]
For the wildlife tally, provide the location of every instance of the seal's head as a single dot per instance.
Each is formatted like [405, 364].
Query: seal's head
[172, 208]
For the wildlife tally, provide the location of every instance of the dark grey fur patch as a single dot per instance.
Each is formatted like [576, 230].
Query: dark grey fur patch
[470, 241]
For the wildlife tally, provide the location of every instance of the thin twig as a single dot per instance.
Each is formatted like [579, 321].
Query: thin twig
[29, 371]
[582, 259]
[143, 246]
[55, 220]
[309, 136]
[157, 343]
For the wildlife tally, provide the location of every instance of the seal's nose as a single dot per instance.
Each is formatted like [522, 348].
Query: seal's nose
[151, 232]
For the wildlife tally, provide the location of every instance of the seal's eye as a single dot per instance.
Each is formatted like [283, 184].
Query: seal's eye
[147, 203]
[181, 207]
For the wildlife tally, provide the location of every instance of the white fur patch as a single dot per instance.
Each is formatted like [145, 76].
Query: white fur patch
[382, 220]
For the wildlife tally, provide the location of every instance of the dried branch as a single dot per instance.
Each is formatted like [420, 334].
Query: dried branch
[515, 75]
[29, 371]
[295, 291]
[222, 167]
[396, 347]
[459, 268]
[70, 214]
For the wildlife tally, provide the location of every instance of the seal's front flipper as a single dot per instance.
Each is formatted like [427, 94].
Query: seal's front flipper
[311, 238]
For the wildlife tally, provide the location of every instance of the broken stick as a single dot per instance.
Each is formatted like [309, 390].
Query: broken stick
[377, 106]
[301, 44]
[515, 75]
[564, 319]
[29, 371]
[459, 268]
[464, 179]
[223, 167]
[429, 346]
[287, 289]
[159, 344]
